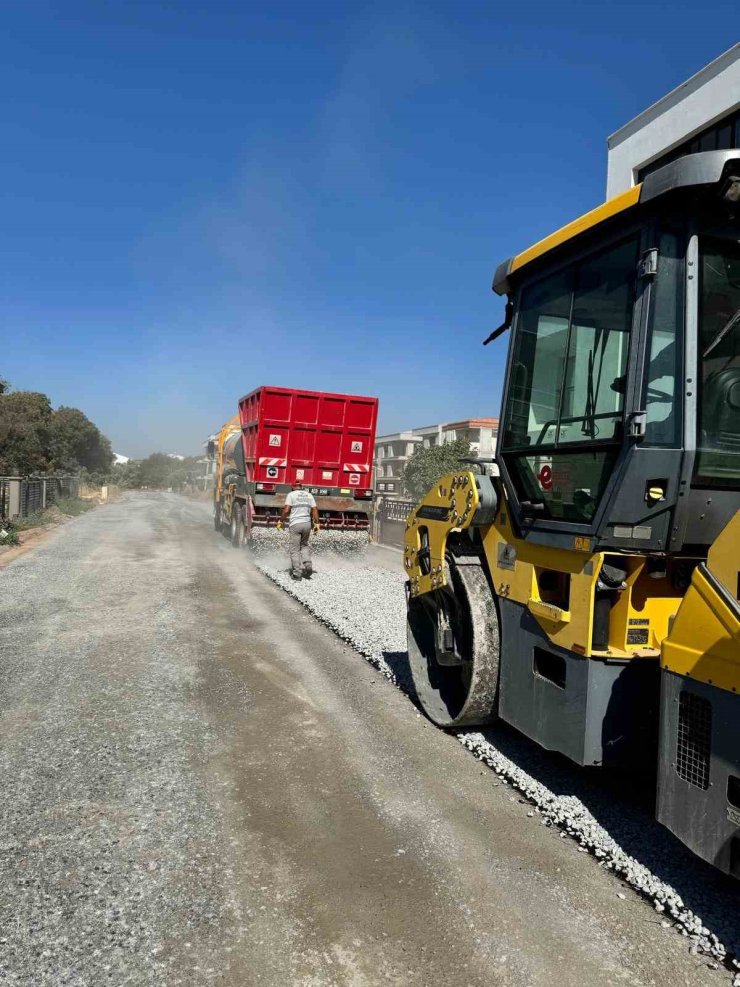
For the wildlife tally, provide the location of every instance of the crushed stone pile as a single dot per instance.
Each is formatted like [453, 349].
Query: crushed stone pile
[267, 541]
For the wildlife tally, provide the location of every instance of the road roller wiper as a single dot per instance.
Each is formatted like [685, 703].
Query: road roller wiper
[735, 320]
[506, 324]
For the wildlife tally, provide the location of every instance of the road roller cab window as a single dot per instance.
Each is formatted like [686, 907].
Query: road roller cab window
[566, 390]
[661, 396]
[718, 411]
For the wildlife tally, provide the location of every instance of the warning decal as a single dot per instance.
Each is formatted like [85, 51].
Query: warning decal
[275, 440]
[545, 478]
[354, 479]
[272, 472]
[357, 447]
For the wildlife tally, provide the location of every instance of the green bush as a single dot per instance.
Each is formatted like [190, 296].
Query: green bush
[8, 533]
[30, 521]
[72, 506]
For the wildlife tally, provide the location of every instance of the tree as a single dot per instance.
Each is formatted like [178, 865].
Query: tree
[75, 442]
[36, 439]
[426, 466]
[125, 475]
[155, 470]
[25, 423]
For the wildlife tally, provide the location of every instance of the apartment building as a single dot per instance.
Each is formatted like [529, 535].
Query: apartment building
[393, 451]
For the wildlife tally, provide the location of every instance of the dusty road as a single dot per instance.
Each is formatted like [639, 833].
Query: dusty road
[200, 784]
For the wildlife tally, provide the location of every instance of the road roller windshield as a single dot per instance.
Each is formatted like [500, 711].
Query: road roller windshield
[622, 398]
[567, 383]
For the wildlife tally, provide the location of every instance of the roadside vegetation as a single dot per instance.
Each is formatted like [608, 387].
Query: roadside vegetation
[157, 472]
[426, 466]
[36, 439]
[61, 510]
[9, 533]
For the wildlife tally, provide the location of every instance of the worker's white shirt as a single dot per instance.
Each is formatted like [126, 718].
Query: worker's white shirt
[300, 503]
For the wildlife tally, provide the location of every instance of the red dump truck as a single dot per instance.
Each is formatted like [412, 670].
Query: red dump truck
[282, 436]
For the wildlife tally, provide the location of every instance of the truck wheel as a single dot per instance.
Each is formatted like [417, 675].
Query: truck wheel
[237, 526]
[453, 642]
[217, 522]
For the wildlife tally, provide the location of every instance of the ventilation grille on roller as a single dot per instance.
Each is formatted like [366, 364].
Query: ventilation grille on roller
[694, 741]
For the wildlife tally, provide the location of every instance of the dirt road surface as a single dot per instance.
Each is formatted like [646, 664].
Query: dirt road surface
[200, 784]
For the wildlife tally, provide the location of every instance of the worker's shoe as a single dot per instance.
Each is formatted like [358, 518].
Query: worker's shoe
[296, 574]
[307, 570]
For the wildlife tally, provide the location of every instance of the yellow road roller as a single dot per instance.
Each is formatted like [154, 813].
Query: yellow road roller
[588, 593]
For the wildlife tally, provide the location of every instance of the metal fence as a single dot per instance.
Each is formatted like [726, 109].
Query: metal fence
[21, 496]
[390, 521]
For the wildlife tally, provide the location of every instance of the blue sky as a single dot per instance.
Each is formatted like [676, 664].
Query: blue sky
[198, 198]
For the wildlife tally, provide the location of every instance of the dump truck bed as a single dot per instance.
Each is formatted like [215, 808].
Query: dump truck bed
[324, 441]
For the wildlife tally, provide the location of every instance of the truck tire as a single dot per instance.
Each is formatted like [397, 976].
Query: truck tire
[247, 518]
[217, 521]
[237, 526]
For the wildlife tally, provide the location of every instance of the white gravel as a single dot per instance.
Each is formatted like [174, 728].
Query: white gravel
[372, 620]
[365, 605]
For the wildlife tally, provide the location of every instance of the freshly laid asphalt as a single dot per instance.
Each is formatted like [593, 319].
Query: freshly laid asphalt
[201, 784]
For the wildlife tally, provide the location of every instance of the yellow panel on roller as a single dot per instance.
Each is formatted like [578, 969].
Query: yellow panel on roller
[451, 505]
[600, 214]
[704, 641]
[724, 555]
[569, 628]
[514, 565]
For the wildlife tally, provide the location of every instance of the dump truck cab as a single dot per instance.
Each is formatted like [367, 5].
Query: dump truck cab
[621, 413]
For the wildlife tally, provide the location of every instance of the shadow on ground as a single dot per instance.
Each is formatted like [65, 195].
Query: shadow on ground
[624, 806]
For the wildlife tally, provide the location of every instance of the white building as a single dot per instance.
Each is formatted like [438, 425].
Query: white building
[119, 460]
[702, 114]
[393, 451]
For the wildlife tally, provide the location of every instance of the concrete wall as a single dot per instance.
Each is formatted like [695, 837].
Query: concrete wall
[706, 97]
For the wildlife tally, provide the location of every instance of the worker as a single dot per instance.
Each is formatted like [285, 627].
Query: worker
[300, 508]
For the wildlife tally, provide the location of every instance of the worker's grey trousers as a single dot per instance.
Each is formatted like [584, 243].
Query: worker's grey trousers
[298, 535]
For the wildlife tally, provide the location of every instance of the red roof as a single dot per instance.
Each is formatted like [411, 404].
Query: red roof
[474, 423]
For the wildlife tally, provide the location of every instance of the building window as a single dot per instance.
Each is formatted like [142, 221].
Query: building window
[390, 487]
[721, 136]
